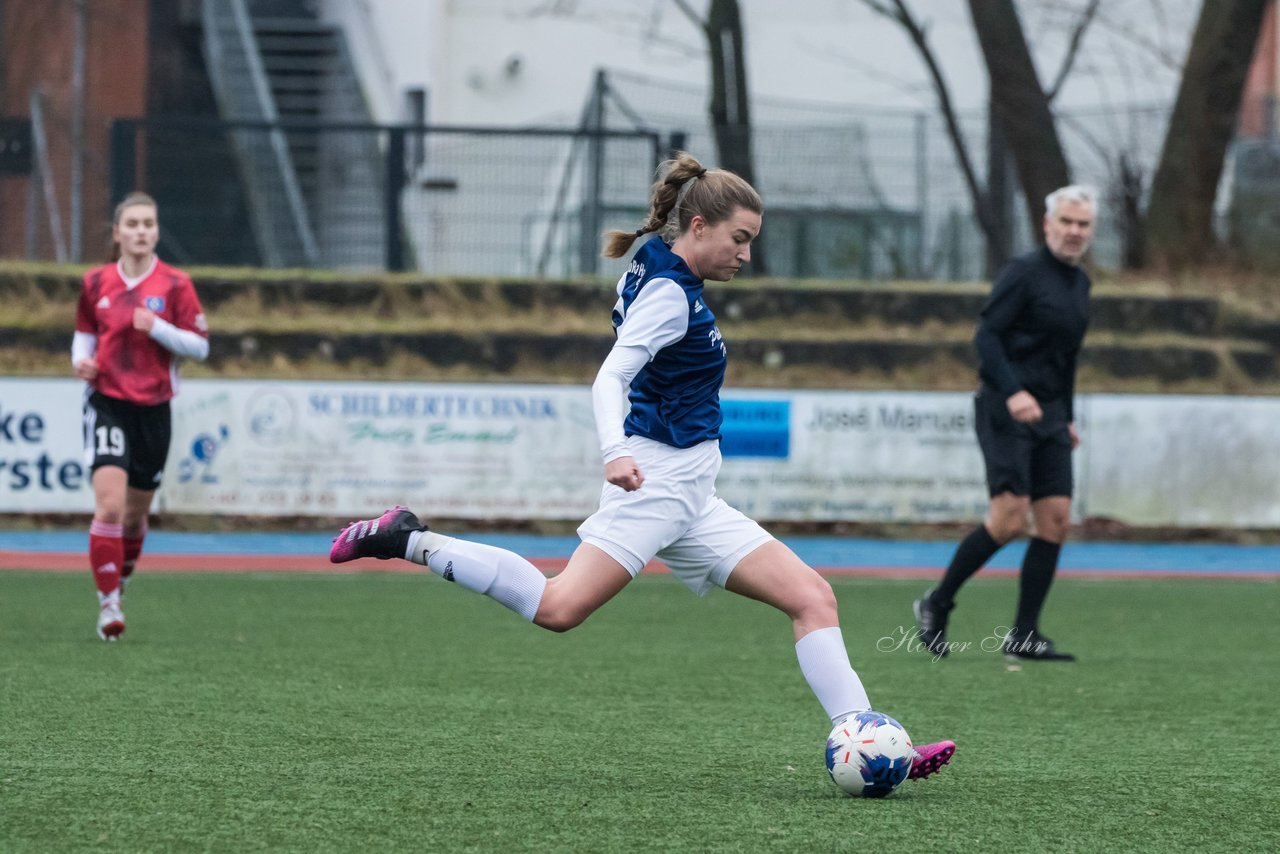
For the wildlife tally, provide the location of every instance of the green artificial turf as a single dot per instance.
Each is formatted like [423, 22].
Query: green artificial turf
[273, 712]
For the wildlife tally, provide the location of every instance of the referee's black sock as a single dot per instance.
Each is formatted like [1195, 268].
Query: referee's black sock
[972, 553]
[1038, 568]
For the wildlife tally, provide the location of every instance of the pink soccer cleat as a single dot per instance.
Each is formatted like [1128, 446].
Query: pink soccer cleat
[384, 538]
[930, 758]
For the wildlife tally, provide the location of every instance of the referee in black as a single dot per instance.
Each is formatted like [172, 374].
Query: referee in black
[1028, 343]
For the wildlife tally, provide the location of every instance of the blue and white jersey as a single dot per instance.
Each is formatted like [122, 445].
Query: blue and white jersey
[675, 398]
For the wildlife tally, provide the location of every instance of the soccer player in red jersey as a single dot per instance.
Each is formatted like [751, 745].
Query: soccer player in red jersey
[134, 318]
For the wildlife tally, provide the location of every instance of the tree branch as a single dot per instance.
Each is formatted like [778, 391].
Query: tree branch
[900, 13]
[877, 6]
[1073, 49]
[683, 6]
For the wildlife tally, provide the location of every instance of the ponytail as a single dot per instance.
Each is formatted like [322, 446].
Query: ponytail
[686, 187]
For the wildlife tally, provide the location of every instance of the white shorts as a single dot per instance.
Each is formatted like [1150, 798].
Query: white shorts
[675, 516]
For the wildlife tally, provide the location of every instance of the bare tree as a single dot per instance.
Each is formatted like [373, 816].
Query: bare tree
[1073, 48]
[897, 10]
[1180, 213]
[1019, 105]
[1133, 225]
[730, 105]
[1021, 117]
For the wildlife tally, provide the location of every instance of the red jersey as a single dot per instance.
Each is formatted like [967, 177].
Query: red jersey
[131, 364]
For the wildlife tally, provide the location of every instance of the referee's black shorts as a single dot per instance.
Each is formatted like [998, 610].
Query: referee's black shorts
[127, 435]
[1026, 459]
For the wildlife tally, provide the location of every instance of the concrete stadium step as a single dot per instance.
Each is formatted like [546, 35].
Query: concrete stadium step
[801, 333]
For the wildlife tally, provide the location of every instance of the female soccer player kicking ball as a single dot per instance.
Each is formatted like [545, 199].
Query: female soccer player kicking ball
[657, 411]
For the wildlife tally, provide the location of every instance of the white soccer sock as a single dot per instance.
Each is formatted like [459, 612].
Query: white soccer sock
[825, 664]
[501, 575]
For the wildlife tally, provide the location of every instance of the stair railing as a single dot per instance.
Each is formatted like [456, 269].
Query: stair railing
[240, 85]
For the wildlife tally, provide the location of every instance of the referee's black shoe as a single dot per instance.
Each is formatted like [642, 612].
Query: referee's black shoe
[931, 624]
[1033, 646]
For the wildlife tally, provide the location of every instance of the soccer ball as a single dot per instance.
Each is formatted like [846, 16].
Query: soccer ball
[869, 754]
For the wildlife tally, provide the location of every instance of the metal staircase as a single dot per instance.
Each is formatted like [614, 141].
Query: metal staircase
[309, 185]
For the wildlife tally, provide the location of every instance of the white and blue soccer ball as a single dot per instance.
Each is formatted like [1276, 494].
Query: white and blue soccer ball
[869, 754]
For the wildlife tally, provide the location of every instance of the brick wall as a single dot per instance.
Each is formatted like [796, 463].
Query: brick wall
[36, 52]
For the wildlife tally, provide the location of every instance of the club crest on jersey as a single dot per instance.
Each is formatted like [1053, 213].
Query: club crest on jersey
[156, 304]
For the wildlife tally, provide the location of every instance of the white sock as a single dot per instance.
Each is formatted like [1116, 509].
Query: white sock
[113, 597]
[825, 664]
[501, 575]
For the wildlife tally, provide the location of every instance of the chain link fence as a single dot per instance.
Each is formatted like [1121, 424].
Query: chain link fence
[445, 201]
[861, 192]
[851, 193]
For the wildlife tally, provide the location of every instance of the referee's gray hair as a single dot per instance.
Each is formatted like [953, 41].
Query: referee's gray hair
[1082, 193]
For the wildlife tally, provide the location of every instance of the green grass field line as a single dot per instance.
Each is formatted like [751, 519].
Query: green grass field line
[276, 712]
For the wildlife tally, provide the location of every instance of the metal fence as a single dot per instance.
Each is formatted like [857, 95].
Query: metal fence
[442, 200]
[843, 199]
[850, 192]
[882, 186]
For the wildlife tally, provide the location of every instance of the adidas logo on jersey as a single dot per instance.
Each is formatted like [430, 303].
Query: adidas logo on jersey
[105, 302]
[698, 306]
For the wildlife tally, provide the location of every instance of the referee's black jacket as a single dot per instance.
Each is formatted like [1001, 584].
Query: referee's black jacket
[1032, 327]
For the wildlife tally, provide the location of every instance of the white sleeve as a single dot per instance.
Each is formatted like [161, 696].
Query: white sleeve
[83, 346]
[609, 397]
[180, 342]
[658, 316]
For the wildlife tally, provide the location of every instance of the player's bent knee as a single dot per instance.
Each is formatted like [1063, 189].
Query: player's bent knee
[556, 624]
[560, 617]
[1054, 530]
[1014, 528]
[1007, 524]
[817, 602]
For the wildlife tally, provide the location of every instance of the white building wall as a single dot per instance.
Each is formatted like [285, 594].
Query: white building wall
[512, 62]
[834, 64]
[395, 45]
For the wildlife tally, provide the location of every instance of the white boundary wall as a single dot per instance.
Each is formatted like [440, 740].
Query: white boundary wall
[490, 451]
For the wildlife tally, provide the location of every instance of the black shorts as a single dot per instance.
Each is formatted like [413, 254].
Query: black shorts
[127, 435]
[1025, 459]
